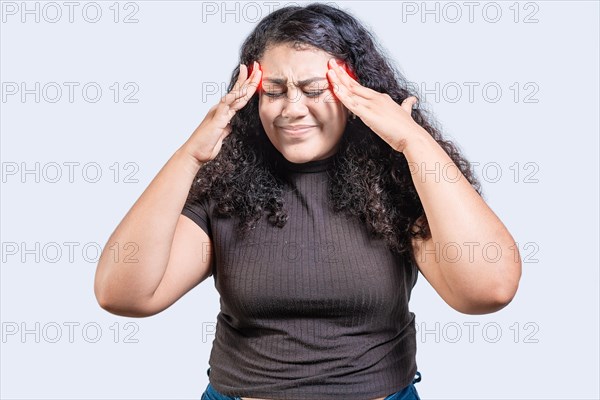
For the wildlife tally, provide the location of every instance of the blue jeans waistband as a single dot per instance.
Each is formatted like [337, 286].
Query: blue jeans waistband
[408, 393]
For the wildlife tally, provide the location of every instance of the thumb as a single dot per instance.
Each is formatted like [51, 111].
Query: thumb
[408, 104]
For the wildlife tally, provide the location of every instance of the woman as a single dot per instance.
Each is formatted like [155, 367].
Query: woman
[308, 193]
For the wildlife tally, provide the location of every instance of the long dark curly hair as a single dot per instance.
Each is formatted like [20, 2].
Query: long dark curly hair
[369, 180]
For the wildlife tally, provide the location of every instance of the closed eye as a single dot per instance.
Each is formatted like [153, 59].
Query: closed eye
[314, 94]
[273, 94]
[308, 94]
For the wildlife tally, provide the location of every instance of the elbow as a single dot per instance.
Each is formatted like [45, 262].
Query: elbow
[504, 294]
[507, 284]
[507, 279]
[122, 304]
[106, 304]
[122, 309]
[494, 297]
[482, 305]
[101, 296]
[492, 303]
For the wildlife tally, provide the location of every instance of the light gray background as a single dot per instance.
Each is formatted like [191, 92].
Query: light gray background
[173, 56]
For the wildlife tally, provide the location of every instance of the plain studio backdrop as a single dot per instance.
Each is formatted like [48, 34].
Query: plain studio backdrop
[96, 96]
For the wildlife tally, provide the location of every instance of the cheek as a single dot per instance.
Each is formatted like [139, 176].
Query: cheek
[338, 117]
[331, 113]
[267, 112]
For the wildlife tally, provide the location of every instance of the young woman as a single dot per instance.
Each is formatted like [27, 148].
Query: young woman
[313, 192]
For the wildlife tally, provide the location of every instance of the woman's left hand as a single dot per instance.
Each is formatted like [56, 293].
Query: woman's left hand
[391, 121]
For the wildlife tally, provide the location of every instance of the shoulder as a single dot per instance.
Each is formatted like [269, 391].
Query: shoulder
[199, 211]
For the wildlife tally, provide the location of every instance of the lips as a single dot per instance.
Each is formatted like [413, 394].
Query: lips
[296, 127]
[295, 130]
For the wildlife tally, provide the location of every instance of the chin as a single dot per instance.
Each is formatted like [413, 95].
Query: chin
[298, 157]
[305, 151]
[309, 151]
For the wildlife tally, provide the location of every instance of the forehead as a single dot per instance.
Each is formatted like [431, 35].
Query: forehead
[286, 62]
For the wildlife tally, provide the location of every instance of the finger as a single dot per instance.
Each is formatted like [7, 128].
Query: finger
[229, 105]
[223, 115]
[349, 81]
[352, 101]
[247, 90]
[226, 132]
[242, 86]
[242, 75]
[408, 103]
[252, 83]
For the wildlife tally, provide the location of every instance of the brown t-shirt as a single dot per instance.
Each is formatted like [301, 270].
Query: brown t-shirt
[314, 310]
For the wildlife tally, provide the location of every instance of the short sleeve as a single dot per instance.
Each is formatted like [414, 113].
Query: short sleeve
[198, 212]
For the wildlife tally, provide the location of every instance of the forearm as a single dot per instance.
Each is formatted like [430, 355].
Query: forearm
[135, 257]
[475, 251]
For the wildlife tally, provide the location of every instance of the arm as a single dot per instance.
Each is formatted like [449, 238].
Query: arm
[457, 215]
[453, 261]
[167, 261]
[172, 253]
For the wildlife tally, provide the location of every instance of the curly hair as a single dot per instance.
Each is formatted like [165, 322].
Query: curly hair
[369, 180]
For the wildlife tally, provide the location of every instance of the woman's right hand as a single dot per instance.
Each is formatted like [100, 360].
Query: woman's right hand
[205, 143]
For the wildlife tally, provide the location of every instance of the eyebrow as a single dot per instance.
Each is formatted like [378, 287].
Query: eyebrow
[304, 82]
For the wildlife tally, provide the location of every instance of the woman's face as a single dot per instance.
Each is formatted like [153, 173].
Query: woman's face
[297, 108]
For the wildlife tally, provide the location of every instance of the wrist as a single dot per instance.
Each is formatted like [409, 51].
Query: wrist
[418, 140]
[187, 161]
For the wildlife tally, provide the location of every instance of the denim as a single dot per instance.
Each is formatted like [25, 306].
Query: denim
[408, 393]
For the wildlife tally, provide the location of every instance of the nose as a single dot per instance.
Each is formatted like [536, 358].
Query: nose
[294, 105]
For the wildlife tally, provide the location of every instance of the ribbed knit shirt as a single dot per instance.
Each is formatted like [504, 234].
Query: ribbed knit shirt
[316, 310]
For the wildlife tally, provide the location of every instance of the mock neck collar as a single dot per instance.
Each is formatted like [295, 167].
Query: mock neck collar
[306, 167]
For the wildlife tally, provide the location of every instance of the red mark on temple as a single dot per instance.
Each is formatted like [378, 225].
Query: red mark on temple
[349, 72]
[260, 80]
[250, 68]
[346, 68]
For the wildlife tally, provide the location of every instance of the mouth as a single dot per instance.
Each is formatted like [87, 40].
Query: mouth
[296, 130]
